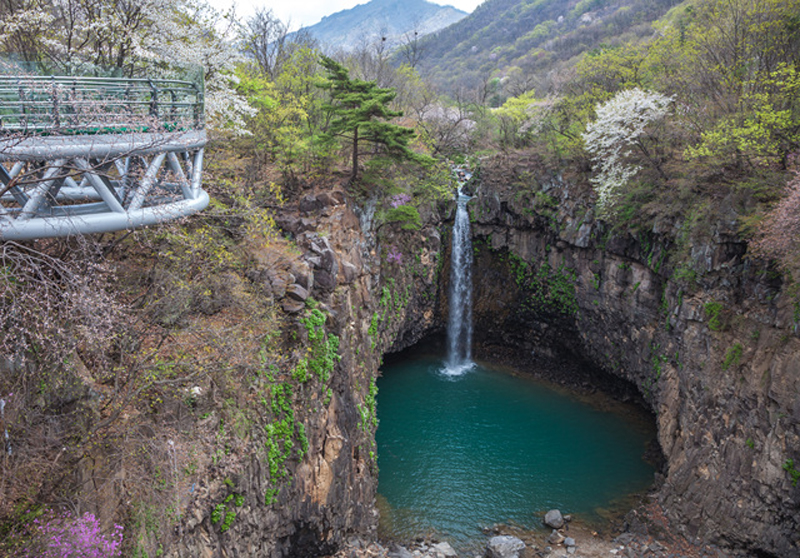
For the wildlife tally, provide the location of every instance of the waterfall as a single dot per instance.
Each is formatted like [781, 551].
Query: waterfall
[459, 325]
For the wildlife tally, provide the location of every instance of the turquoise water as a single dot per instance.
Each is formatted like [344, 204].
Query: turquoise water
[459, 453]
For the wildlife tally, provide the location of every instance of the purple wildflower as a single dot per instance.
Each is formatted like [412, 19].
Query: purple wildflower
[59, 536]
[394, 256]
[399, 199]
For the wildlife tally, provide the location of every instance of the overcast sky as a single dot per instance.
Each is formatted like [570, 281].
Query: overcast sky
[302, 13]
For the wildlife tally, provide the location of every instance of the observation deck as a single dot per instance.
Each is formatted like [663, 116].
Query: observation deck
[81, 155]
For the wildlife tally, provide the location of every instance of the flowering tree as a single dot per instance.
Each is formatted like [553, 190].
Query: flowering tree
[622, 137]
[137, 38]
[777, 234]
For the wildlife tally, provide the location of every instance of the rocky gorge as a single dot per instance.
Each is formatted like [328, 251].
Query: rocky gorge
[710, 356]
[276, 455]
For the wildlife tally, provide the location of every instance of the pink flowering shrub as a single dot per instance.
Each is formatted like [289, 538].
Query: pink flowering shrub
[777, 234]
[394, 256]
[62, 535]
[399, 199]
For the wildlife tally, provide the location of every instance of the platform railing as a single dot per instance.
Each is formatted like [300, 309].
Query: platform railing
[82, 155]
[80, 105]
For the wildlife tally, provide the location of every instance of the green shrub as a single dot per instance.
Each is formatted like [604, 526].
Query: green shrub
[788, 466]
[408, 215]
[713, 310]
[732, 356]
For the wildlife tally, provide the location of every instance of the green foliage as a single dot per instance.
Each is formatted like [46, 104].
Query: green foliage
[555, 288]
[734, 65]
[359, 111]
[373, 325]
[658, 361]
[368, 411]
[549, 289]
[732, 356]
[285, 435]
[408, 215]
[713, 310]
[271, 496]
[322, 352]
[217, 513]
[224, 513]
[788, 466]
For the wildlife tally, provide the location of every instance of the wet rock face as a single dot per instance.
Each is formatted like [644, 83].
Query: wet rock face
[715, 358]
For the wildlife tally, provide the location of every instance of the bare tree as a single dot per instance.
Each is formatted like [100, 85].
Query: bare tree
[519, 81]
[270, 43]
[371, 59]
[411, 48]
[265, 38]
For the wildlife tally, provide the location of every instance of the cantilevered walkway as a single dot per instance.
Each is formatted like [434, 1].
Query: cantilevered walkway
[85, 155]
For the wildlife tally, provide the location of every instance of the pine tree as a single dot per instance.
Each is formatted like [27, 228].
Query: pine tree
[359, 111]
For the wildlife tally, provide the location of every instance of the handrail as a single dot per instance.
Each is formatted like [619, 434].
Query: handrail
[68, 105]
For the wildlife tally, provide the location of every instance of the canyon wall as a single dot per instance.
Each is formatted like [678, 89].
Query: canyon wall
[309, 503]
[709, 340]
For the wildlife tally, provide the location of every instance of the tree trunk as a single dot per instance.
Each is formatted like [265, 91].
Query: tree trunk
[354, 174]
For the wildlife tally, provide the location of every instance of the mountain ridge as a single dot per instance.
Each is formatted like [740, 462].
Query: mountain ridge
[390, 19]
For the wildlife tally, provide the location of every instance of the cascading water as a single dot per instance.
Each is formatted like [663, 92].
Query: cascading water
[459, 326]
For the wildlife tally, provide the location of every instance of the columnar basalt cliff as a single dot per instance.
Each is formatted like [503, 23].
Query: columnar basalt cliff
[712, 351]
[371, 303]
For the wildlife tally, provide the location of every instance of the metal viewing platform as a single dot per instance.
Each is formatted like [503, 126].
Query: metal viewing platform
[82, 155]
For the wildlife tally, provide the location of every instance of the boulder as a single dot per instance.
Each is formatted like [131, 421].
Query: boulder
[325, 199]
[289, 223]
[297, 292]
[569, 541]
[398, 551]
[349, 272]
[306, 224]
[504, 546]
[309, 204]
[444, 549]
[554, 519]
[338, 196]
[278, 281]
[291, 306]
[325, 280]
[555, 537]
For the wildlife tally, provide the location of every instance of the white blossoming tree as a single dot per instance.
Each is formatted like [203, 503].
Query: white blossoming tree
[132, 38]
[622, 138]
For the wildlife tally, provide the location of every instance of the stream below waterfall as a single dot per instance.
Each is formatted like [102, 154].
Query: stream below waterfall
[457, 453]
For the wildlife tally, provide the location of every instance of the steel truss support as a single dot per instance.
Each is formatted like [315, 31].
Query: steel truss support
[53, 186]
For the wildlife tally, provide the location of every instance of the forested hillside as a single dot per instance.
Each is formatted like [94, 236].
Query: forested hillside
[527, 41]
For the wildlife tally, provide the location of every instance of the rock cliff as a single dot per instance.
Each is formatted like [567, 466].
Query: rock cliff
[709, 340]
[274, 453]
[308, 502]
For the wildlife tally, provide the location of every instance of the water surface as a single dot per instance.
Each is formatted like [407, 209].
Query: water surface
[457, 453]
